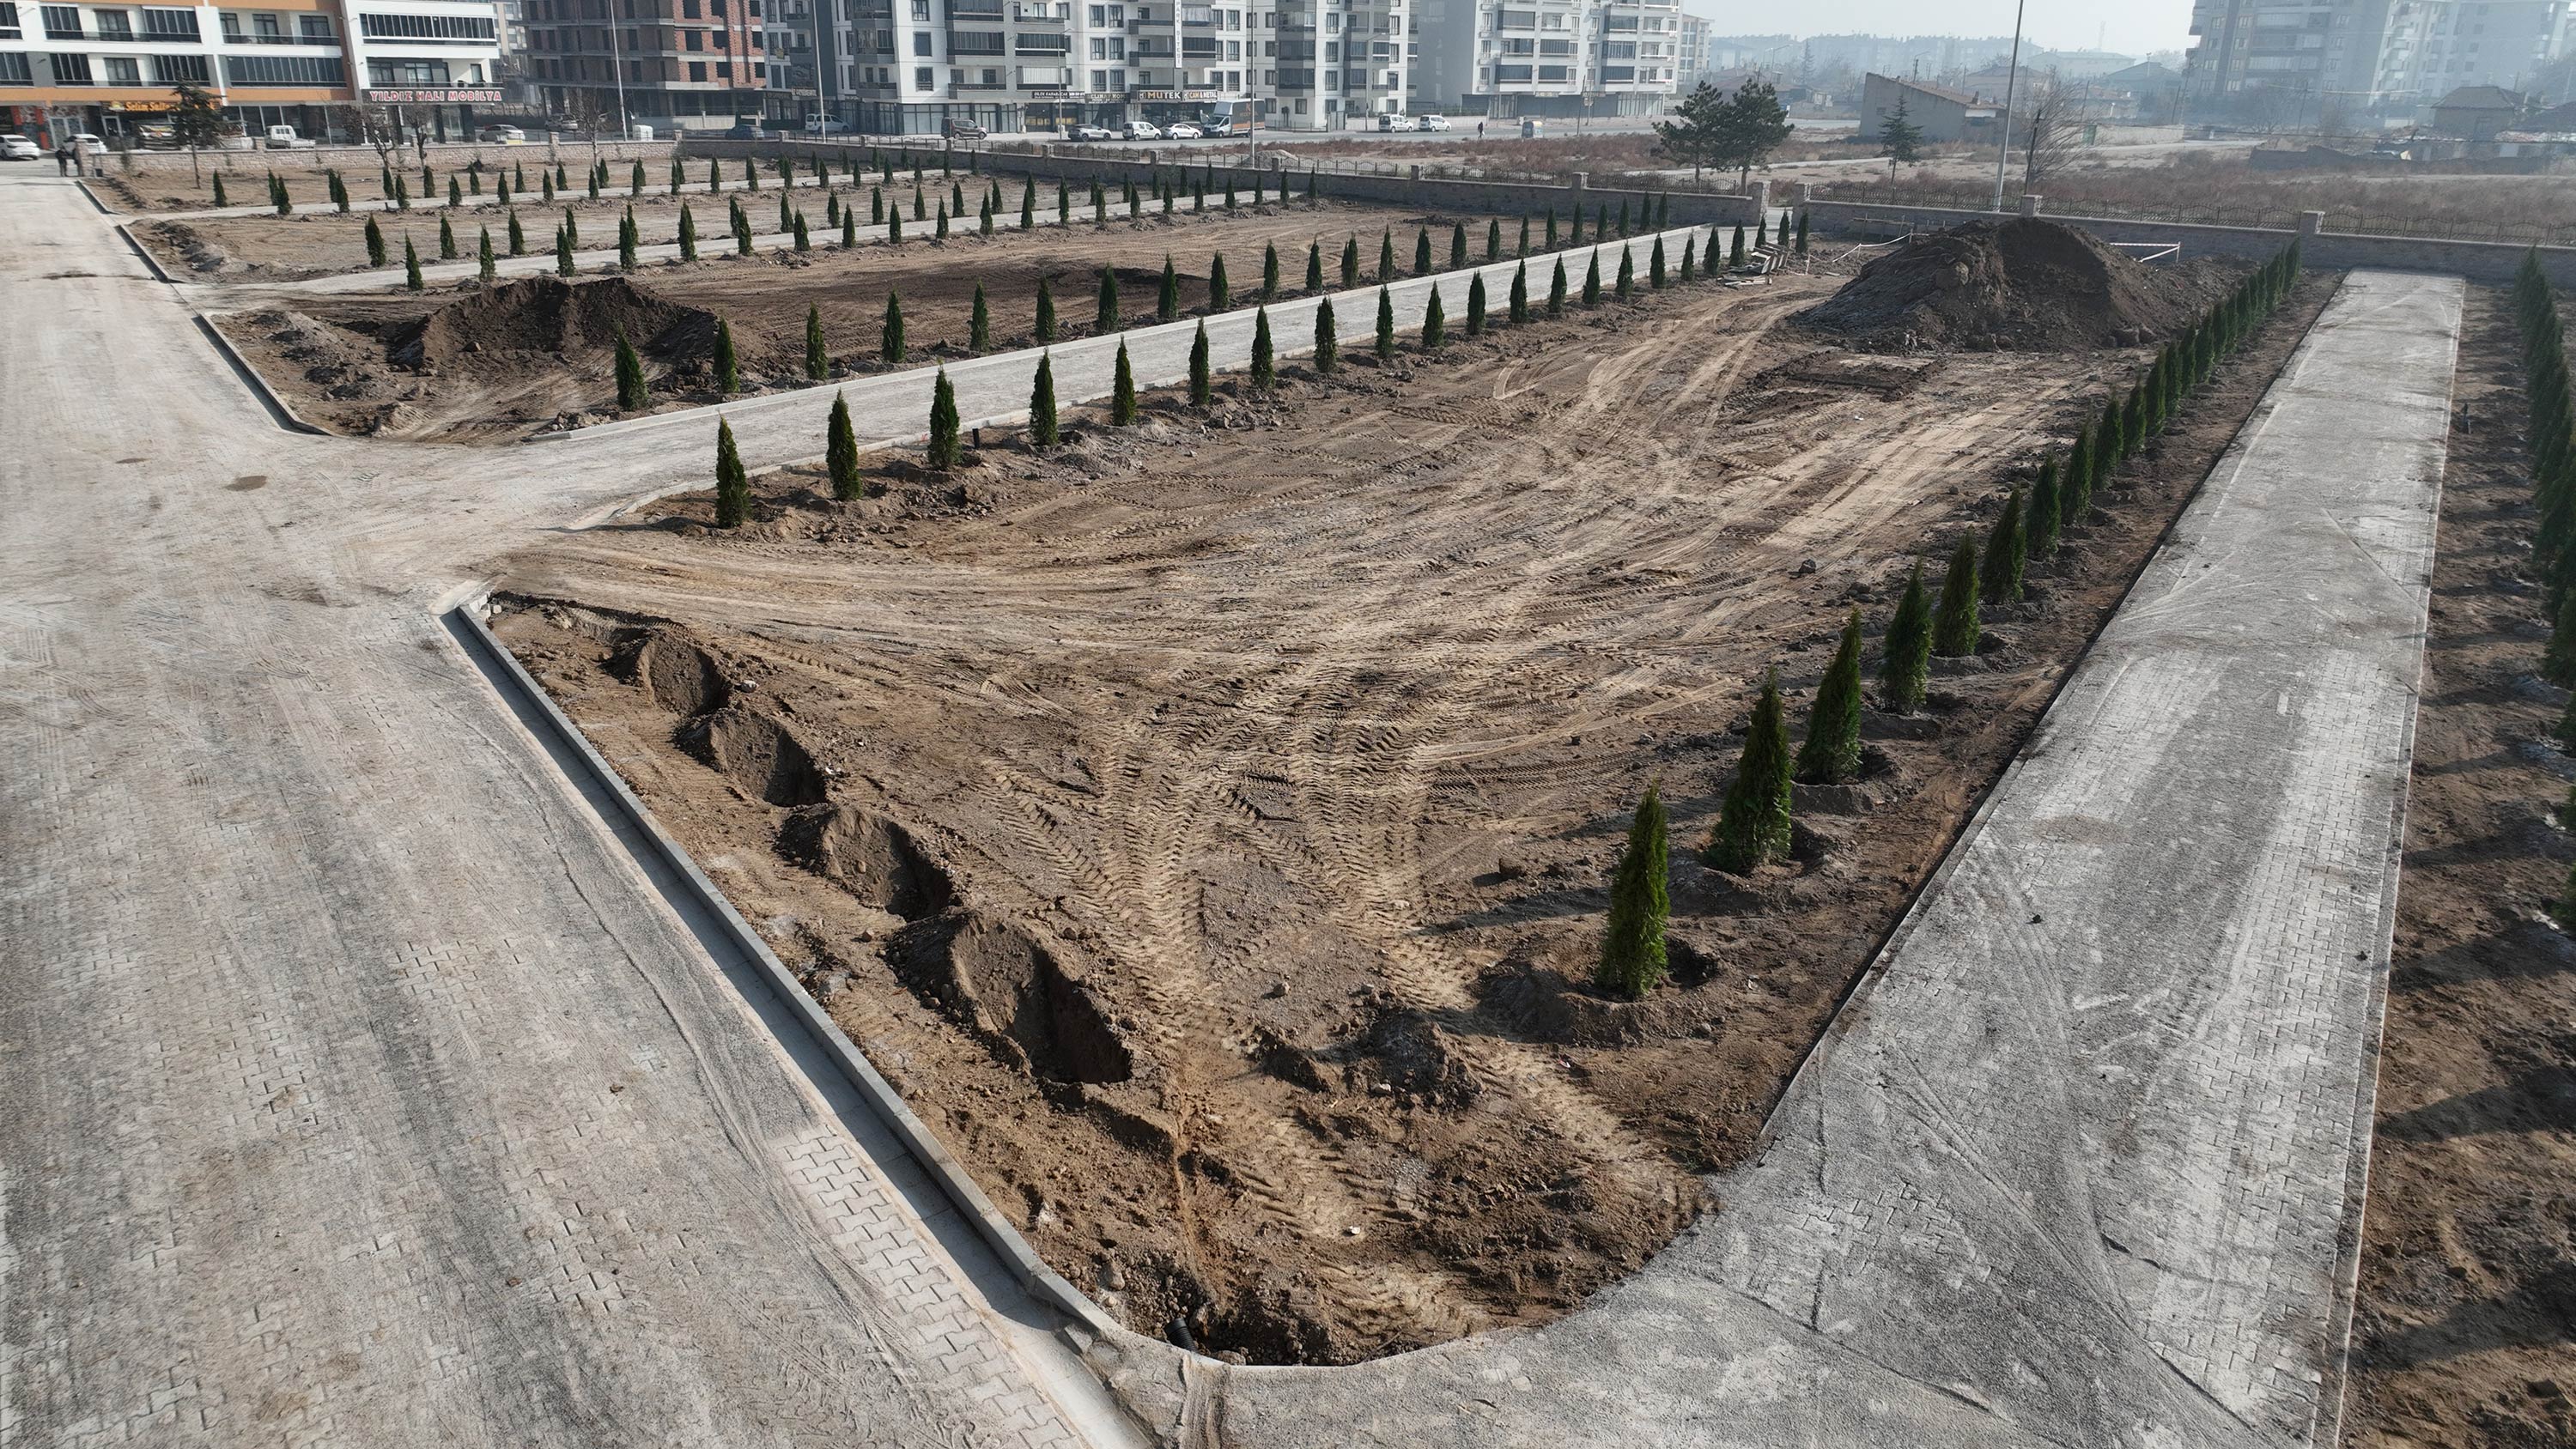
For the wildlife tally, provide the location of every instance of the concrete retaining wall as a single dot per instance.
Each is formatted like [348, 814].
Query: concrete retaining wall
[1505, 198]
[2478, 261]
[354, 160]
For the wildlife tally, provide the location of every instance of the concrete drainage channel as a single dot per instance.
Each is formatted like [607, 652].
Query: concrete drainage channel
[960, 1216]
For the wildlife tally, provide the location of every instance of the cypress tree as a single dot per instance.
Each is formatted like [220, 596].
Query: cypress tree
[1167, 300]
[1493, 239]
[1042, 426]
[1556, 290]
[1762, 229]
[375, 239]
[1422, 251]
[677, 179]
[1956, 628]
[1518, 305]
[1202, 384]
[2039, 523]
[1457, 245]
[1690, 260]
[1046, 312]
[1592, 281]
[2007, 549]
[939, 232]
[1328, 346]
[455, 193]
[1105, 316]
[1735, 252]
[1219, 297]
[1908, 666]
[1831, 754]
[473, 178]
[741, 232]
[446, 241]
[2564, 909]
[728, 367]
[818, 358]
[1063, 205]
[1627, 274]
[627, 239]
[1385, 324]
[1351, 260]
[1435, 323]
[1551, 227]
[979, 325]
[733, 485]
[1623, 216]
[1753, 822]
[2075, 486]
[1386, 255]
[1265, 369]
[841, 452]
[890, 341]
[222, 201]
[630, 376]
[849, 226]
[1574, 230]
[920, 204]
[1029, 205]
[519, 237]
[1269, 273]
[1655, 266]
[941, 451]
[1523, 251]
[2558, 662]
[1632, 950]
[1476, 305]
[1314, 266]
[1122, 393]
[411, 265]
[804, 240]
[485, 267]
[1802, 233]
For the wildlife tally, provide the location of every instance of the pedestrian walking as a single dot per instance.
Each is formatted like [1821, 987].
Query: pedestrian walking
[63, 159]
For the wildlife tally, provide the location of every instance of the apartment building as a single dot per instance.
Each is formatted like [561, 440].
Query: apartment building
[1567, 58]
[111, 70]
[658, 62]
[2392, 57]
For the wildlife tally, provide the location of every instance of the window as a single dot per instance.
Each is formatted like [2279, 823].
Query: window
[1555, 47]
[724, 70]
[62, 22]
[124, 70]
[921, 79]
[316, 29]
[698, 71]
[407, 72]
[1555, 73]
[113, 25]
[689, 9]
[1517, 46]
[415, 27]
[1520, 20]
[921, 42]
[695, 40]
[1041, 45]
[1506, 74]
[14, 70]
[178, 70]
[9, 21]
[975, 42]
[282, 70]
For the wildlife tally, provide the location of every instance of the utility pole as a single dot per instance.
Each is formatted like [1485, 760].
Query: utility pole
[2003, 141]
[617, 69]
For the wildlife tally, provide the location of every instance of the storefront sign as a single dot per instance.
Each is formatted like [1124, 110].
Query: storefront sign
[134, 107]
[438, 96]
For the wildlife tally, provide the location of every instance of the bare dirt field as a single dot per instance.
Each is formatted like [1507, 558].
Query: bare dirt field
[2467, 1308]
[1206, 825]
[487, 365]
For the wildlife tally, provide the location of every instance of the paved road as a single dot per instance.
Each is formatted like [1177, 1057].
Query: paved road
[2081, 1165]
[355, 1087]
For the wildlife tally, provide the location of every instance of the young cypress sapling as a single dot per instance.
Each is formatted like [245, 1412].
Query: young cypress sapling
[1122, 394]
[1956, 628]
[1632, 950]
[1043, 432]
[1753, 822]
[1831, 753]
[2007, 549]
[1385, 324]
[1908, 665]
[841, 452]
[733, 484]
[941, 452]
[1265, 369]
[1202, 380]
[1328, 346]
[631, 396]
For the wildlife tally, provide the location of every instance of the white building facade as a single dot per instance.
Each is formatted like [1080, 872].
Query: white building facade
[1562, 58]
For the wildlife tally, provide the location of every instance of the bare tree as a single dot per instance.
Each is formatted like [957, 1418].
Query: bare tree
[2051, 133]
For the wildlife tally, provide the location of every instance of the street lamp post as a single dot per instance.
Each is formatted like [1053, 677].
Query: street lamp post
[2003, 140]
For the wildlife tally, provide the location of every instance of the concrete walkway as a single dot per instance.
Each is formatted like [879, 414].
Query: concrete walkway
[355, 1086]
[2083, 1163]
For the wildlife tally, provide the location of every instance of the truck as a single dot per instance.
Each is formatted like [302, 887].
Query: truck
[283, 138]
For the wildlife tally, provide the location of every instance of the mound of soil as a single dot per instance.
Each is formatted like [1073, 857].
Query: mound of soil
[2022, 284]
[549, 314]
[333, 360]
[184, 240]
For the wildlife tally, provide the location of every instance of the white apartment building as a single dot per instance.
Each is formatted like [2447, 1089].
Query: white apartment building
[112, 69]
[2388, 56]
[1566, 58]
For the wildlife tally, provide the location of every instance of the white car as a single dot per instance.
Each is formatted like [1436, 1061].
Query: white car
[1182, 131]
[19, 148]
[826, 126]
[1092, 133]
[505, 135]
[1431, 123]
[1142, 131]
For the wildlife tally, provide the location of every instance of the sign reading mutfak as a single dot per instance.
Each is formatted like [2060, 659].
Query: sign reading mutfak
[435, 96]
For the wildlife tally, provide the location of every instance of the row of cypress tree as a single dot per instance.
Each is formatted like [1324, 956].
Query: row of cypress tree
[2553, 479]
[1753, 825]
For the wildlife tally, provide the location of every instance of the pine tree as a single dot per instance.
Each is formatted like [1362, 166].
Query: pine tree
[1435, 323]
[728, 367]
[1045, 333]
[733, 485]
[2000, 571]
[1328, 346]
[1351, 260]
[890, 339]
[485, 267]
[1167, 298]
[818, 358]
[942, 452]
[2039, 523]
[1908, 666]
[630, 376]
[1202, 383]
[1753, 823]
[1265, 367]
[1556, 290]
[1831, 754]
[1314, 266]
[1042, 426]
[1476, 305]
[1122, 393]
[1385, 324]
[1956, 627]
[375, 239]
[1632, 950]
[1219, 298]
[841, 452]
[1519, 304]
[411, 265]
[979, 325]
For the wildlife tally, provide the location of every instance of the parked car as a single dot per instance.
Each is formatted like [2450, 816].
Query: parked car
[964, 131]
[1390, 123]
[1182, 131]
[283, 138]
[743, 131]
[1092, 133]
[1431, 123]
[1141, 131]
[826, 126]
[19, 148]
[503, 135]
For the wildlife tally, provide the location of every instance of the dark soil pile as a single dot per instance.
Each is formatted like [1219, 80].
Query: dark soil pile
[549, 314]
[2023, 284]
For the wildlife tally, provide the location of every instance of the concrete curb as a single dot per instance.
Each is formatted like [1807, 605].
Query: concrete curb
[277, 409]
[1040, 1281]
[82, 185]
[151, 263]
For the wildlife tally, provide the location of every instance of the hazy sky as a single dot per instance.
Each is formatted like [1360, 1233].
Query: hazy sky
[2135, 26]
